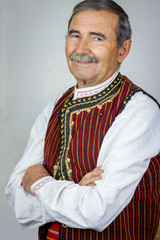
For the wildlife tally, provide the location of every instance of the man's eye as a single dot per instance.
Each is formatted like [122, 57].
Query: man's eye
[74, 36]
[98, 39]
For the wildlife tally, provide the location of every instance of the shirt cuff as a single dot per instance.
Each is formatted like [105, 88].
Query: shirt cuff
[47, 218]
[40, 183]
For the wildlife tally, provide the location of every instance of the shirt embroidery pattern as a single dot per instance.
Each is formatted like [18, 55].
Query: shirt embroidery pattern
[88, 92]
[41, 184]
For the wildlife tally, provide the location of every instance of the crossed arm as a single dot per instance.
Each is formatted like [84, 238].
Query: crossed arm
[125, 154]
[38, 171]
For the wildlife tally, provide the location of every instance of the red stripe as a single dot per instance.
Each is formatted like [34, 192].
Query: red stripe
[50, 234]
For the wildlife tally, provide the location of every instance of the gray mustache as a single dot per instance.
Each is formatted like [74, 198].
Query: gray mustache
[83, 58]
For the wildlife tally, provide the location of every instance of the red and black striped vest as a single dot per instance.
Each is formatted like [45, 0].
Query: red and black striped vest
[74, 136]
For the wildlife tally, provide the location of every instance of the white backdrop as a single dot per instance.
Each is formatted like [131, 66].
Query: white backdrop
[33, 71]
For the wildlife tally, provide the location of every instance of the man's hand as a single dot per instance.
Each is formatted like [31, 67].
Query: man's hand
[90, 178]
[33, 174]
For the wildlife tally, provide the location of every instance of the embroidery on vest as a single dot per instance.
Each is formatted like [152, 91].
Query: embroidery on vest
[60, 162]
[62, 169]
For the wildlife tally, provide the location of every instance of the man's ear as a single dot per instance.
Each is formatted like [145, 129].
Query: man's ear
[124, 50]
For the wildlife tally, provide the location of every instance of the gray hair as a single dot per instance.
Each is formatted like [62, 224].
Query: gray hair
[123, 30]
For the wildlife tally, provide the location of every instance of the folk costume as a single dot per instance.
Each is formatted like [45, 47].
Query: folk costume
[113, 128]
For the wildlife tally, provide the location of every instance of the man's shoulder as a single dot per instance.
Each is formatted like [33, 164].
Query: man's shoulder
[135, 89]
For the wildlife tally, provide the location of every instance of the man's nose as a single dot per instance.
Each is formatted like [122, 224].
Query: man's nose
[83, 47]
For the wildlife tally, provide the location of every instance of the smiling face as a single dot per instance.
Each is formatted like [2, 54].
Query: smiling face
[91, 47]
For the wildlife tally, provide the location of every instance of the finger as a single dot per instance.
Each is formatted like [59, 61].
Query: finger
[92, 176]
[88, 181]
[97, 169]
[96, 172]
[91, 184]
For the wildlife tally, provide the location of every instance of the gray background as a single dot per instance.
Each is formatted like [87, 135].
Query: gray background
[33, 71]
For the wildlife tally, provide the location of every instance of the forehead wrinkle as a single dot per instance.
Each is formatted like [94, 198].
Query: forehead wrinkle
[111, 16]
[79, 18]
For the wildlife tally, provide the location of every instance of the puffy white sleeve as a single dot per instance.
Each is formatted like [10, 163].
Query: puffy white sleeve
[132, 140]
[28, 209]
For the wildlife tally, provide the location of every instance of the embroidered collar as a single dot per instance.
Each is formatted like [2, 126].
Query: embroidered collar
[91, 91]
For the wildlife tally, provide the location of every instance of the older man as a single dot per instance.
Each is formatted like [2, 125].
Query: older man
[91, 167]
